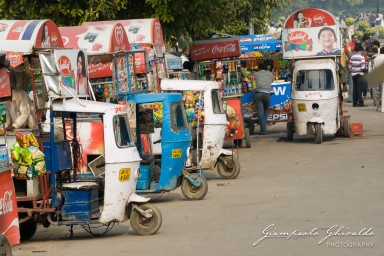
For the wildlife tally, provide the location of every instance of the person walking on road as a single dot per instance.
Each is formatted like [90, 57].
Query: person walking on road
[262, 96]
[357, 66]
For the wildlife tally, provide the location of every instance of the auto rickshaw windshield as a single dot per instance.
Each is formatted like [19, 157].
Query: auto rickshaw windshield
[121, 130]
[314, 80]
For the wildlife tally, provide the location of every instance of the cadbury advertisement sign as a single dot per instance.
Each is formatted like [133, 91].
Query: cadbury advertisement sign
[215, 49]
[311, 32]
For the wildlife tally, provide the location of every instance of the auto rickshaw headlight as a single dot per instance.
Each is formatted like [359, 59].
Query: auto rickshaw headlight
[315, 106]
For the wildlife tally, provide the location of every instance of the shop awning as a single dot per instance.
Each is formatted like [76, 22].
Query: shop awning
[142, 33]
[259, 43]
[23, 36]
[96, 38]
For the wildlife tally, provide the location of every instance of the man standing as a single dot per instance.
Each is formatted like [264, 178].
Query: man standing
[262, 96]
[376, 62]
[357, 66]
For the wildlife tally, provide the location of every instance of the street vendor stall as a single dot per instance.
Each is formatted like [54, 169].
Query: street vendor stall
[111, 66]
[262, 49]
[145, 35]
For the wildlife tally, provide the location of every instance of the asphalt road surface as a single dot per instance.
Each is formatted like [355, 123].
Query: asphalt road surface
[291, 198]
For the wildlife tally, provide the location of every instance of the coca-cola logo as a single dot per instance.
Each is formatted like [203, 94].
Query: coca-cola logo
[65, 66]
[119, 34]
[6, 203]
[319, 19]
[222, 49]
[297, 37]
[3, 27]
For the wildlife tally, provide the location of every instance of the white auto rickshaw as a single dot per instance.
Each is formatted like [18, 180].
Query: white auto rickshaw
[203, 99]
[316, 100]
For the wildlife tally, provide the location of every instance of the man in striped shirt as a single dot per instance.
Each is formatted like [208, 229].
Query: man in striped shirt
[357, 66]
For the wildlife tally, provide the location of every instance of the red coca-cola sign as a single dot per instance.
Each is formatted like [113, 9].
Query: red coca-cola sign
[215, 49]
[65, 66]
[9, 223]
[297, 37]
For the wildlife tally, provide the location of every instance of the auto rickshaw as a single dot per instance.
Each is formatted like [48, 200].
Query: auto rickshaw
[164, 157]
[106, 198]
[316, 100]
[203, 103]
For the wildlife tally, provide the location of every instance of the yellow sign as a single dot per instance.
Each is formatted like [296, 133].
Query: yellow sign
[301, 107]
[176, 153]
[124, 174]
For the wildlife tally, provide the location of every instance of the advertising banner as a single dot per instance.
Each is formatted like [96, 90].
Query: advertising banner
[215, 49]
[279, 107]
[72, 67]
[311, 32]
[5, 84]
[9, 222]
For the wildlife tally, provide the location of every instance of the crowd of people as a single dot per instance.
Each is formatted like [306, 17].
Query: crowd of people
[362, 55]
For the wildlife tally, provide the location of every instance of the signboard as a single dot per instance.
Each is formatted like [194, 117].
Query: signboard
[311, 32]
[5, 84]
[72, 67]
[9, 222]
[279, 107]
[215, 49]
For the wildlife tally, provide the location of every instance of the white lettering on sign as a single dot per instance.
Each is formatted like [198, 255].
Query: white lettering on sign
[227, 48]
[279, 90]
[6, 203]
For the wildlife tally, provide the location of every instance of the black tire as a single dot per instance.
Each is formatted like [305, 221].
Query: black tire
[318, 134]
[238, 143]
[289, 131]
[27, 230]
[146, 226]
[248, 123]
[346, 127]
[192, 192]
[247, 138]
[228, 167]
[5, 247]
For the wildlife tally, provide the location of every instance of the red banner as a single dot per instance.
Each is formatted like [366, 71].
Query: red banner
[5, 85]
[9, 222]
[215, 49]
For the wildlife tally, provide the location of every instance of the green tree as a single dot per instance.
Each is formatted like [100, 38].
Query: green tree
[197, 19]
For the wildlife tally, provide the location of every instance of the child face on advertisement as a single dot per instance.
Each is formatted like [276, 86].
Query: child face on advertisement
[327, 39]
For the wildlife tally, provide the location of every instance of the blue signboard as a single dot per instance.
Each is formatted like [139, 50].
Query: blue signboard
[280, 104]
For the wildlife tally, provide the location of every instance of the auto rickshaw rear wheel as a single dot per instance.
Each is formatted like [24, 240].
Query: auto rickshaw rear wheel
[289, 131]
[228, 167]
[192, 192]
[146, 226]
[318, 134]
[5, 247]
[27, 229]
[247, 138]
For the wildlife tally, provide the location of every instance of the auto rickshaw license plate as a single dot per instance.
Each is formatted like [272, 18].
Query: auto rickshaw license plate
[176, 153]
[301, 107]
[124, 174]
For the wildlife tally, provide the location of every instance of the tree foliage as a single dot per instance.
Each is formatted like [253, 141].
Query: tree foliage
[197, 19]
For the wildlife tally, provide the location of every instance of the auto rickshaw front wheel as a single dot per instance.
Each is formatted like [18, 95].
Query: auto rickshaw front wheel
[193, 192]
[144, 225]
[5, 247]
[318, 134]
[228, 167]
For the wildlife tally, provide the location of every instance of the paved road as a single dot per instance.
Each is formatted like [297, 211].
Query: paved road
[305, 190]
